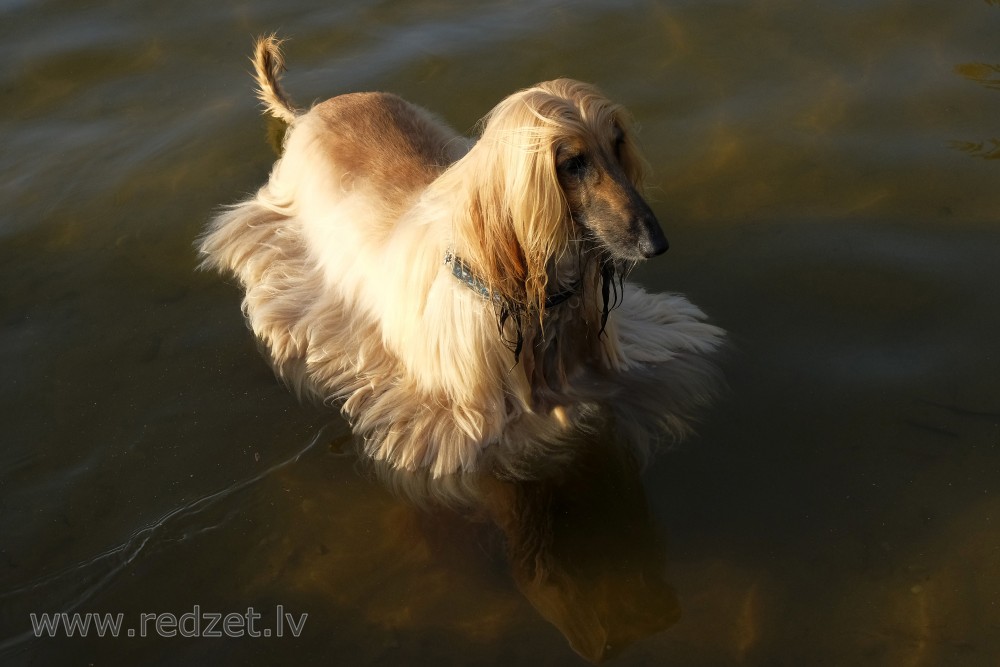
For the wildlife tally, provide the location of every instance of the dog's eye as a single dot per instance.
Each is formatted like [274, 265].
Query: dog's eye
[574, 166]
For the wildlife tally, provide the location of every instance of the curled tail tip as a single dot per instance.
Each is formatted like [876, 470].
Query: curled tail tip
[269, 63]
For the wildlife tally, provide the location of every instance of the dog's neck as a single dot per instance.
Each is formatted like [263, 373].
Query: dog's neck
[464, 274]
[570, 333]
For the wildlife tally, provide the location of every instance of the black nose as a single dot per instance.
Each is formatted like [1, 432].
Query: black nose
[652, 242]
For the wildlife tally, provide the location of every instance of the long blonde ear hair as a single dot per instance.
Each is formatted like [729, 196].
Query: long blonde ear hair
[516, 219]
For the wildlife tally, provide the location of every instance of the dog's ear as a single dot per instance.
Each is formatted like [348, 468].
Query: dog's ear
[517, 216]
[492, 246]
[537, 210]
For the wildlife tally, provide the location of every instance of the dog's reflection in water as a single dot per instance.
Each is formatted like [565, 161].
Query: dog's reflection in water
[581, 542]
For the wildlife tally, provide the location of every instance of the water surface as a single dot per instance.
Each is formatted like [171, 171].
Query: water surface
[827, 177]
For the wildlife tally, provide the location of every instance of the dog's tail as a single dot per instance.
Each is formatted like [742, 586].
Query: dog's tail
[268, 64]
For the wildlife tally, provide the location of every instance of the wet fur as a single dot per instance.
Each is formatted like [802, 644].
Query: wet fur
[342, 254]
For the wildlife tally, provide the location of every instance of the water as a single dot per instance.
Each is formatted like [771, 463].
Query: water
[826, 177]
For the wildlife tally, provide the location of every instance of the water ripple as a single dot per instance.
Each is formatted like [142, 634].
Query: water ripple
[80, 582]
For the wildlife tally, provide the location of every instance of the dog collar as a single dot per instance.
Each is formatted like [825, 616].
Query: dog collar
[460, 269]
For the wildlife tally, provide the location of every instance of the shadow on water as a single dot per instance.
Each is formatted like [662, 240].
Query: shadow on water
[580, 542]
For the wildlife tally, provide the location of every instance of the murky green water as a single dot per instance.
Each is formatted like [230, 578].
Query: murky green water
[825, 176]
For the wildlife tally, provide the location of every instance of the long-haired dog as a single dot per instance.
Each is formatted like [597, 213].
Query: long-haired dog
[464, 301]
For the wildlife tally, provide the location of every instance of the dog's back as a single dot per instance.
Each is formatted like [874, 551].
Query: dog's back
[380, 144]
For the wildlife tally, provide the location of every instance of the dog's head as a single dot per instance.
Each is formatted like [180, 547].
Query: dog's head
[557, 169]
[600, 172]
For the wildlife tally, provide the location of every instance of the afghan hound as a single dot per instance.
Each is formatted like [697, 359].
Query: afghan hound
[464, 301]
